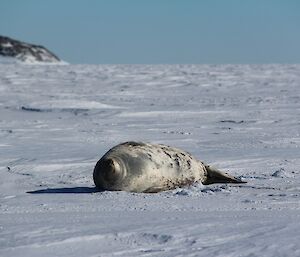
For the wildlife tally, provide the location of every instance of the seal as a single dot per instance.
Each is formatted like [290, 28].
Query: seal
[150, 168]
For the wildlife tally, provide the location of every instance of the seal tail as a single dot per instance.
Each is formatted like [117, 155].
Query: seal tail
[216, 176]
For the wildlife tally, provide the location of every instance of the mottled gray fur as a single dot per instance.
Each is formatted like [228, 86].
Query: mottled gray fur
[144, 167]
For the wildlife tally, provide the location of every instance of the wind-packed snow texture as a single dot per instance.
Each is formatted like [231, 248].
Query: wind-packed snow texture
[57, 121]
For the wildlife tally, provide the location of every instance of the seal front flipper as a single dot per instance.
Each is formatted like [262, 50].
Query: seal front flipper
[216, 176]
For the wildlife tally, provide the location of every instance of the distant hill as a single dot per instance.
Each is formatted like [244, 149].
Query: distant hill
[26, 52]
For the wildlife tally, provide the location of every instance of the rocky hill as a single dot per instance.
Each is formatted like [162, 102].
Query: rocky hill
[26, 52]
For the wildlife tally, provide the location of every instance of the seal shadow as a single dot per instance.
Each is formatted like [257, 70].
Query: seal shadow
[67, 190]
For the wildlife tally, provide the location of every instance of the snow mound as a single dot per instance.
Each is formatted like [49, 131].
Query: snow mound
[282, 173]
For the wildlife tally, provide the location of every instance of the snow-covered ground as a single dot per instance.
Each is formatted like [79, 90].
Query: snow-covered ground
[57, 121]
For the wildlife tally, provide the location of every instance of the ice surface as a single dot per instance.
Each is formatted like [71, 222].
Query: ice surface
[57, 121]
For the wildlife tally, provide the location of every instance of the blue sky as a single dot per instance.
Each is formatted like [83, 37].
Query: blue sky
[158, 31]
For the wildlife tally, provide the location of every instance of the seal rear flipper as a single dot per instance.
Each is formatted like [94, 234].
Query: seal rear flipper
[216, 176]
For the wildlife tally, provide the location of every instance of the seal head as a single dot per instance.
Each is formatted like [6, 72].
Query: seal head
[108, 173]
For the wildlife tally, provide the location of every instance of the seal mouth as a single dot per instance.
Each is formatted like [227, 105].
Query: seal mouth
[108, 172]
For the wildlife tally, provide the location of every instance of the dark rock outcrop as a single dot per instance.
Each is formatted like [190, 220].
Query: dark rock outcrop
[26, 52]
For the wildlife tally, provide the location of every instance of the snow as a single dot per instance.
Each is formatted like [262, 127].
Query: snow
[8, 44]
[57, 121]
[28, 59]
[6, 59]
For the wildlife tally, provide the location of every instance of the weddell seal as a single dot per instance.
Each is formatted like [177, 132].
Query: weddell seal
[150, 168]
